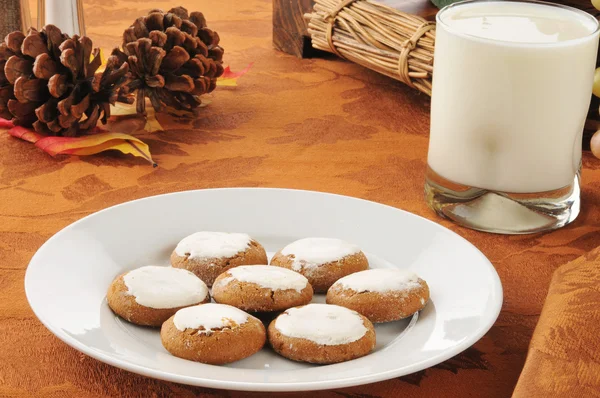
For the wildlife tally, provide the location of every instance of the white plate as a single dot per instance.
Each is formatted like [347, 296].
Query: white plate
[68, 277]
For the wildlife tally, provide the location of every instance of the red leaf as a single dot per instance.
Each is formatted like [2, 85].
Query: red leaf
[25, 134]
[228, 74]
[5, 124]
[98, 140]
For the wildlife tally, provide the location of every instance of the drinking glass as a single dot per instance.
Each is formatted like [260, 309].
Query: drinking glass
[66, 14]
[512, 85]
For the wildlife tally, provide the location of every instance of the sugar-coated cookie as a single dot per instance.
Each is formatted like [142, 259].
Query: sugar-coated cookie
[322, 260]
[382, 295]
[208, 254]
[321, 333]
[262, 288]
[212, 333]
[150, 295]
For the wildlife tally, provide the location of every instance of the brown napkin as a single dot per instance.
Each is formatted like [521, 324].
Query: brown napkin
[564, 353]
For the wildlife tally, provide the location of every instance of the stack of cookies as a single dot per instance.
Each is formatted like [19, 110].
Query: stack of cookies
[178, 300]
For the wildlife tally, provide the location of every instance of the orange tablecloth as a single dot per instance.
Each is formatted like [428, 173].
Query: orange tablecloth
[324, 125]
[564, 354]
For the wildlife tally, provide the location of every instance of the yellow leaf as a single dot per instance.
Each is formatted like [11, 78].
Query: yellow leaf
[95, 143]
[226, 82]
[121, 109]
[102, 58]
[152, 123]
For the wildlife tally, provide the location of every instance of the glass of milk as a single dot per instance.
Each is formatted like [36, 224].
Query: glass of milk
[512, 84]
[67, 15]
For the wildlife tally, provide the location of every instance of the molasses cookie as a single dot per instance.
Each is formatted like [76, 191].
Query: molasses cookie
[322, 260]
[382, 295]
[150, 295]
[212, 333]
[208, 254]
[321, 333]
[262, 288]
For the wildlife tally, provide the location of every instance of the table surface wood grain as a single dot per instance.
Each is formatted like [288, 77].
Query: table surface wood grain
[317, 124]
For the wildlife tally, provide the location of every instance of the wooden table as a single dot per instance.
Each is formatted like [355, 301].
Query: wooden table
[318, 124]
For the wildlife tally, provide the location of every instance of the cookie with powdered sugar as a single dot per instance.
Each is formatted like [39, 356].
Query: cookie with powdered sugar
[262, 288]
[149, 295]
[321, 260]
[321, 333]
[212, 333]
[209, 254]
[382, 295]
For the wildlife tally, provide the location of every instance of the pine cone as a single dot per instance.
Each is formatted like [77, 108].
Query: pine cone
[10, 46]
[173, 58]
[50, 82]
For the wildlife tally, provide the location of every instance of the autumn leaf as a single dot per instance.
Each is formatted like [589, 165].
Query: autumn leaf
[121, 109]
[5, 124]
[152, 124]
[24, 133]
[95, 143]
[89, 144]
[103, 59]
[227, 83]
[228, 74]
[229, 78]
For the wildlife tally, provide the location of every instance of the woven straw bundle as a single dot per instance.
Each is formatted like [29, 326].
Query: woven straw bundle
[381, 38]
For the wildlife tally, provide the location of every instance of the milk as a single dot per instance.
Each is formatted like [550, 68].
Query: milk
[512, 85]
[63, 13]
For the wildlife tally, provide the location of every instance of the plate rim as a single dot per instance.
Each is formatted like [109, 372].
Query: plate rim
[266, 386]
